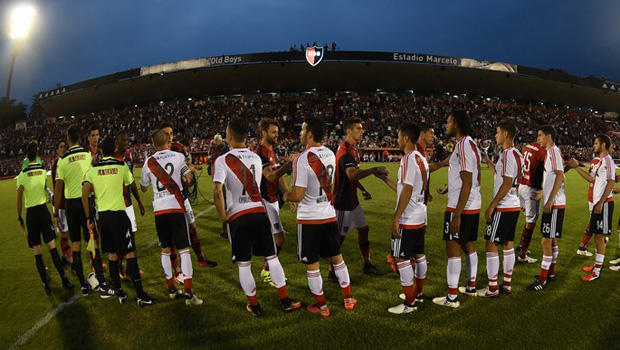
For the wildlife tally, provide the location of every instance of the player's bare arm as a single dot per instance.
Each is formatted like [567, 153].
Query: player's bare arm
[86, 189]
[218, 199]
[366, 194]
[584, 174]
[272, 175]
[466, 179]
[355, 174]
[557, 184]
[296, 194]
[598, 207]
[20, 198]
[436, 166]
[403, 201]
[488, 161]
[391, 184]
[133, 188]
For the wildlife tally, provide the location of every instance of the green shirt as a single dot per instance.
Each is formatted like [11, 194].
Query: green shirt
[26, 162]
[71, 169]
[33, 178]
[108, 178]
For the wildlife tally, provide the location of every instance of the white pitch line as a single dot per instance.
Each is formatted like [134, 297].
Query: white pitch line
[26, 336]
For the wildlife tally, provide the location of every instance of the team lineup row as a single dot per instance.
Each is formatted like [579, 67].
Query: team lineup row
[324, 193]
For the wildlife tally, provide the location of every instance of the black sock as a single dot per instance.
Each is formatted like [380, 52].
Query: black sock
[41, 268]
[77, 266]
[57, 262]
[134, 272]
[116, 278]
[98, 266]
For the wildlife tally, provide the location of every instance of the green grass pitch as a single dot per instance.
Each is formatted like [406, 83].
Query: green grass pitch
[569, 314]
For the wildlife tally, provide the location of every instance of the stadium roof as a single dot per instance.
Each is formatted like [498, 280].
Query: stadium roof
[358, 71]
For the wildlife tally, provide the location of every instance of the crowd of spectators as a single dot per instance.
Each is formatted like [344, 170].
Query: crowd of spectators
[197, 121]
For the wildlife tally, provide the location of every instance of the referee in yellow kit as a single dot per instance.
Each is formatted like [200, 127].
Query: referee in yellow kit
[107, 178]
[31, 186]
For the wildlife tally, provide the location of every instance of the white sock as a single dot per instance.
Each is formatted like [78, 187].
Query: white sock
[406, 273]
[315, 282]
[186, 264]
[343, 274]
[472, 269]
[509, 264]
[492, 268]
[598, 263]
[421, 267]
[246, 279]
[167, 265]
[277, 272]
[546, 262]
[453, 274]
[556, 252]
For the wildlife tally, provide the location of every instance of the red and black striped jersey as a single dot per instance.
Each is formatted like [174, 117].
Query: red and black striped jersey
[268, 190]
[54, 169]
[534, 156]
[345, 189]
[128, 159]
[96, 155]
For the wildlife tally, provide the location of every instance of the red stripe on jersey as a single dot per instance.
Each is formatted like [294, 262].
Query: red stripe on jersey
[294, 175]
[247, 211]
[315, 222]
[462, 156]
[166, 180]
[475, 150]
[519, 167]
[245, 176]
[504, 159]
[424, 178]
[324, 178]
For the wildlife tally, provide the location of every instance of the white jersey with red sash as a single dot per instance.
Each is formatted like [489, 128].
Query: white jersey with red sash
[164, 170]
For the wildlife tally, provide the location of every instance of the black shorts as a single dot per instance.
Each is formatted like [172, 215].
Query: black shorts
[250, 234]
[317, 241]
[172, 230]
[116, 234]
[76, 220]
[468, 232]
[410, 243]
[502, 227]
[600, 224]
[39, 223]
[551, 224]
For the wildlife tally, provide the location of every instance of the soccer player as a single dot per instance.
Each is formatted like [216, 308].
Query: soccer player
[248, 225]
[410, 217]
[317, 232]
[189, 212]
[62, 228]
[603, 178]
[553, 209]
[107, 179]
[463, 210]
[534, 155]
[271, 181]
[426, 140]
[587, 234]
[163, 171]
[93, 143]
[123, 154]
[31, 187]
[70, 172]
[348, 208]
[503, 211]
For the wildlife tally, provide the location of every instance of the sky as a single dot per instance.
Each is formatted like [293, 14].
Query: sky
[72, 41]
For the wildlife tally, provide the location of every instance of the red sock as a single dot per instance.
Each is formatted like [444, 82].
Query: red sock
[507, 282]
[282, 293]
[526, 238]
[409, 295]
[493, 285]
[419, 286]
[170, 283]
[552, 269]
[346, 291]
[253, 299]
[193, 236]
[585, 239]
[543, 275]
[364, 244]
[320, 299]
[173, 259]
[187, 285]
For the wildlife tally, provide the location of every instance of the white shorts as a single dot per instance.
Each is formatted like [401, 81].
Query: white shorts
[530, 206]
[189, 213]
[131, 214]
[350, 220]
[273, 212]
[62, 217]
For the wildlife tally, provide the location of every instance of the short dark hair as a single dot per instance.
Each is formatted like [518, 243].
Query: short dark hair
[31, 151]
[33, 139]
[548, 130]
[604, 139]
[424, 127]
[411, 130]
[160, 138]
[238, 129]
[108, 146]
[122, 132]
[59, 142]
[350, 122]
[165, 124]
[73, 133]
[508, 126]
[265, 123]
[462, 120]
[92, 128]
[317, 127]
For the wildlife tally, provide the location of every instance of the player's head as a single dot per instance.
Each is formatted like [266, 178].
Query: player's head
[269, 131]
[506, 130]
[73, 135]
[33, 139]
[353, 128]
[427, 133]
[546, 135]
[312, 131]
[408, 134]
[31, 151]
[458, 123]
[602, 143]
[236, 131]
[108, 146]
[160, 139]
[217, 139]
[167, 128]
[60, 148]
[93, 135]
[122, 140]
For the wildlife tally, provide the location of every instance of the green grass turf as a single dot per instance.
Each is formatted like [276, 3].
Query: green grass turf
[568, 314]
